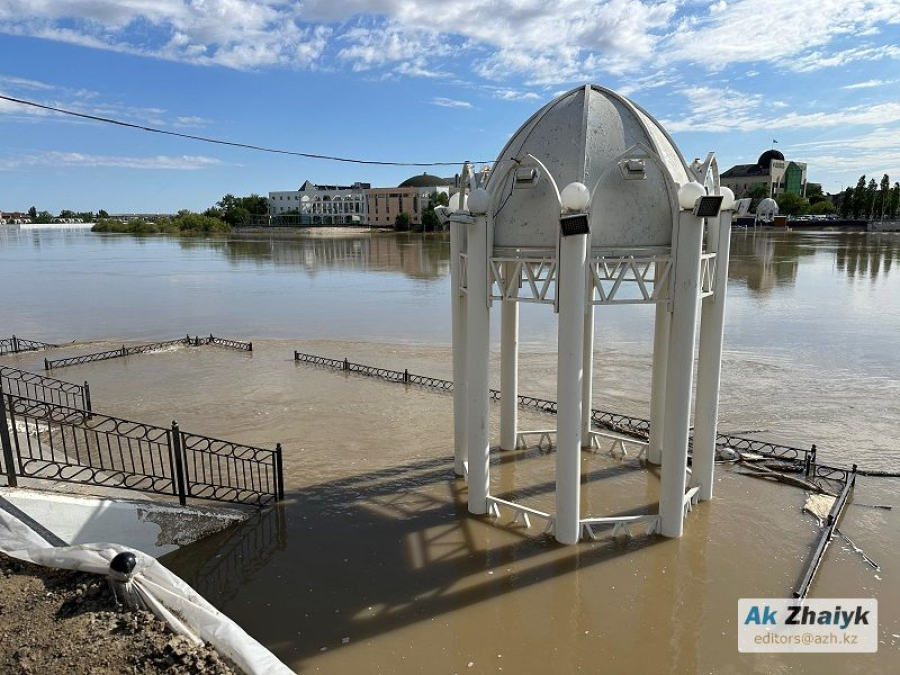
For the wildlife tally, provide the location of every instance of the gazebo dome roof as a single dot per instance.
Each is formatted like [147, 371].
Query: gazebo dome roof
[581, 136]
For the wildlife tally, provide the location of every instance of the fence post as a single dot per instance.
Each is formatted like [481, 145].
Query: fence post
[296, 355]
[250, 347]
[87, 397]
[46, 364]
[15, 344]
[124, 351]
[405, 376]
[346, 364]
[179, 464]
[279, 470]
[812, 460]
[7, 445]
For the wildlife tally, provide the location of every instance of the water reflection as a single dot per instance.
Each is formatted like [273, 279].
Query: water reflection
[416, 256]
[871, 256]
[764, 261]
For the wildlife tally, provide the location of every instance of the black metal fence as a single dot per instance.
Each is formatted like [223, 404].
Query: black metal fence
[15, 345]
[49, 441]
[625, 424]
[826, 534]
[124, 351]
[49, 389]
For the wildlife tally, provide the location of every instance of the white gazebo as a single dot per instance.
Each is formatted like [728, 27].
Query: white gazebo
[589, 205]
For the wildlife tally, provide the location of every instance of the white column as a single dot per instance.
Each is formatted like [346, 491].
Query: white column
[587, 383]
[458, 323]
[709, 368]
[571, 290]
[478, 435]
[509, 366]
[658, 381]
[679, 378]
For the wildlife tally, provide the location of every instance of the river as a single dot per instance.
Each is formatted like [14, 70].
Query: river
[371, 564]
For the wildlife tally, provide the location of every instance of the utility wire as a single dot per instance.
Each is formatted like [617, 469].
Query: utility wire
[218, 141]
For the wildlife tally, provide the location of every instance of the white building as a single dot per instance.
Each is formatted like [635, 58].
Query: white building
[323, 204]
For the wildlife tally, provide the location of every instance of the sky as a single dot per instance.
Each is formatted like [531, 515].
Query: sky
[420, 81]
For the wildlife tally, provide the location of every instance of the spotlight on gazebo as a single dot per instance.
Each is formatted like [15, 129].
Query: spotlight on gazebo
[633, 218]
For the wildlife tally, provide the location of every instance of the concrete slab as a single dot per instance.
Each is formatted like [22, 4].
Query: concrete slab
[148, 526]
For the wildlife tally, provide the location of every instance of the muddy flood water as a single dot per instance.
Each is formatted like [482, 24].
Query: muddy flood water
[371, 564]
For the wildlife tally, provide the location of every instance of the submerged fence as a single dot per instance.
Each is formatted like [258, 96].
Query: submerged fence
[40, 387]
[124, 351]
[15, 345]
[826, 534]
[625, 424]
[46, 440]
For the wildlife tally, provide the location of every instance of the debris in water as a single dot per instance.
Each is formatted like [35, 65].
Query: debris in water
[819, 505]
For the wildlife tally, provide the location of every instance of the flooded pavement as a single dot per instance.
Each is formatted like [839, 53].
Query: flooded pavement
[372, 564]
[373, 542]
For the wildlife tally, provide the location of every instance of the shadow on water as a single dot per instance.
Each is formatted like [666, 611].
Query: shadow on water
[370, 553]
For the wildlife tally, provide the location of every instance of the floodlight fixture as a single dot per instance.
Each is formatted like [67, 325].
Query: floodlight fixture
[572, 225]
[633, 168]
[527, 177]
[708, 207]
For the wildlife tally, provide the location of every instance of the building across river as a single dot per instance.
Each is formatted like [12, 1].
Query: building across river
[772, 170]
[360, 203]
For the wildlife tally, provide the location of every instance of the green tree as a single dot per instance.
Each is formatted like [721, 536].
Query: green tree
[894, 201]
[235, 210]
[43, 217]
[102, 214]
[859, 198]
[32, 212]
[883, 196]
[814, 192]
[847, 203]
[430, 221]
[402, 221]
[790, 204]
[757, 193]
[871, 194]
[66, 213]
[822, 208]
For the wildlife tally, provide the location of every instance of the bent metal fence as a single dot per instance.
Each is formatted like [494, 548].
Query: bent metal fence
[32, 385]
[625, 424]
[43, 440]
[15, 345]
[124, 351]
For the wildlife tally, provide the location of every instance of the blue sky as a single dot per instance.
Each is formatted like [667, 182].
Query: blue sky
[419, 81]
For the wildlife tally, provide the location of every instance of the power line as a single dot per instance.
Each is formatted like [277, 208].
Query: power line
[218, 141]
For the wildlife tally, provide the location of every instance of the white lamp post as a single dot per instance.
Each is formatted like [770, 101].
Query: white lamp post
[572, 275]
[709, 368]
[478, 329]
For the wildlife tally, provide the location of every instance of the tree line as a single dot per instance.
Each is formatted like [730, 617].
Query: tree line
[871, 200]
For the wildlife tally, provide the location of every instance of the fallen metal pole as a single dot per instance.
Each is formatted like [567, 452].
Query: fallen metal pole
[825, 536]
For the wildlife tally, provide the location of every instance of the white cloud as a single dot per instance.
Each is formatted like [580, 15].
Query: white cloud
[82, 160]
[240, 34]
[713, 109]
[869, 84]
[450, 102]
[528, 41]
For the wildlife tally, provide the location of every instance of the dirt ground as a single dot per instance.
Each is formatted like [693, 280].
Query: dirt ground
[57, 621]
